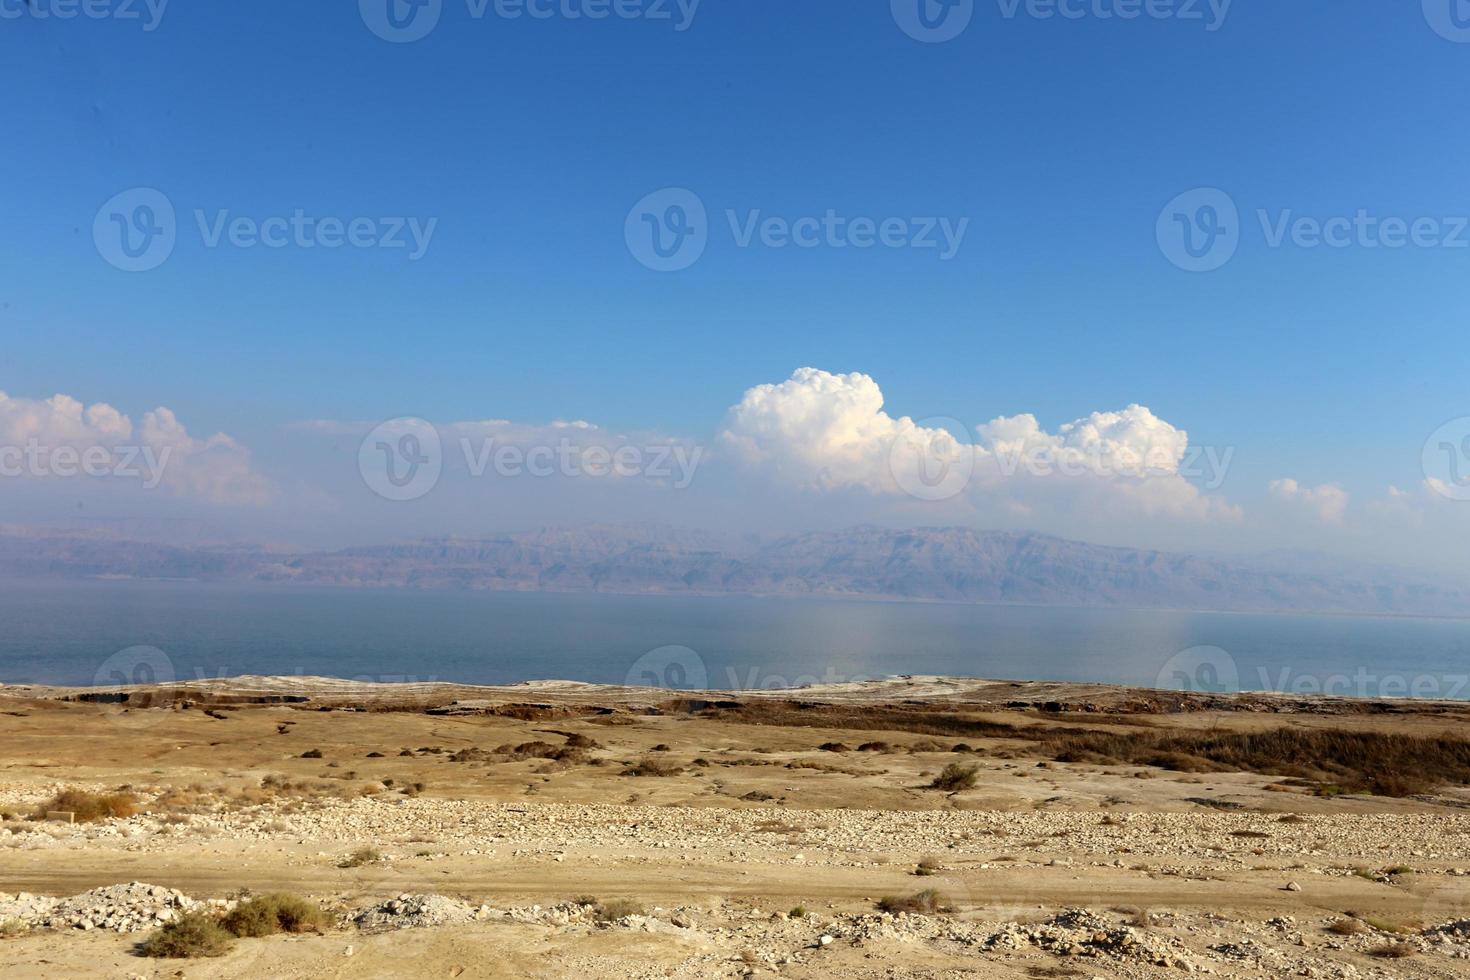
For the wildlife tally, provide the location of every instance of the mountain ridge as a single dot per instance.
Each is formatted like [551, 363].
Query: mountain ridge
[951, 564]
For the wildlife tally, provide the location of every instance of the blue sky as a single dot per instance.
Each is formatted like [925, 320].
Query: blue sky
[1059, 141]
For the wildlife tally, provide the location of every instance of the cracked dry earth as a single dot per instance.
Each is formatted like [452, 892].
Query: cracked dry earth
[752, 852]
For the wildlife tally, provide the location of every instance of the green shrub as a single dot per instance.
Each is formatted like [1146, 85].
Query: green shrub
[90, 807]
[266, 915]
[955, 777]
[192, 935]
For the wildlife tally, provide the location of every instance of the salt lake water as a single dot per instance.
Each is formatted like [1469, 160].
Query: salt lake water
[106, 632]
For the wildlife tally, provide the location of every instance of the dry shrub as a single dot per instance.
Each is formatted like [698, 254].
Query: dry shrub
[360, 857]
[653, 767]
[1346, 927]
[266, 915]
[927, 902]
[1393, 951]
[955, 777]
[192, 935]
[90, 807]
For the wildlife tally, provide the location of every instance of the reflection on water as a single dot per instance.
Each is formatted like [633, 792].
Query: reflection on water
[65, 633]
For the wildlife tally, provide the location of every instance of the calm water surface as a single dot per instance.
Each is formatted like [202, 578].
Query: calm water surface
[84, 633]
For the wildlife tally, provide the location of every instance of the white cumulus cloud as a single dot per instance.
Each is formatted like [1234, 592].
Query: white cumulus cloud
[60, 437]
[824, 431]
[1328, 501]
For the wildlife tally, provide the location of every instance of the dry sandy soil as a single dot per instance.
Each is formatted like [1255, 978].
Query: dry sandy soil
[716, 815]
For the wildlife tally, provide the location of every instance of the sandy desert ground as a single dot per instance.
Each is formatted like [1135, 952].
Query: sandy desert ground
[557, 829]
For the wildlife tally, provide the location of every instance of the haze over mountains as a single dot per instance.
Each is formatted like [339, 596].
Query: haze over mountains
[949, 564]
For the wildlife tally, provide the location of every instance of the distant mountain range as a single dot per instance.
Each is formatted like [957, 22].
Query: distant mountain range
[951, 564]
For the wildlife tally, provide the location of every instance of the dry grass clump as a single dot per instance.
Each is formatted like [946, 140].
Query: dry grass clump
[90, 807]
[927, 902]
[928, 866]
[955, 777]
[1346, 927]
[1386, 925]
[266, 915]
[1393, 951]
[360, 857]
[10, 928]
[577, 741]
[274, 787]
[653, 767]
[192, 935]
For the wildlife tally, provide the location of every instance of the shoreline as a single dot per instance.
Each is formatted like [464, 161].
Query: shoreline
[999, 694]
